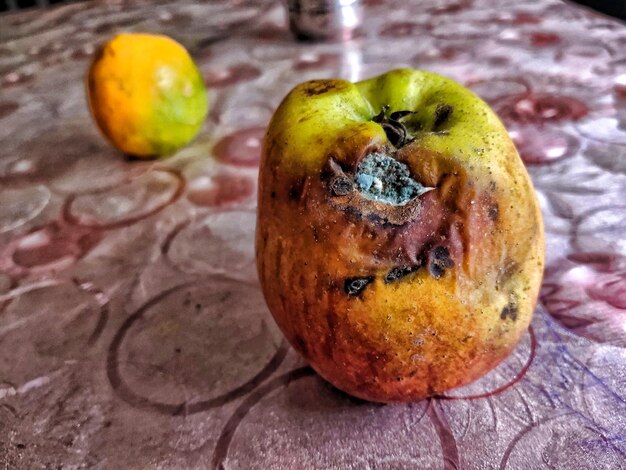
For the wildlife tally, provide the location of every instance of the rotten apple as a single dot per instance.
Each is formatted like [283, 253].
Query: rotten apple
[399, 241]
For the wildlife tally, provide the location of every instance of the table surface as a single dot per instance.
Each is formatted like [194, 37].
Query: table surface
[133, 332]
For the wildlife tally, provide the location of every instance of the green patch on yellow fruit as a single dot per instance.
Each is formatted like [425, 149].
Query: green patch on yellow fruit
[146, 94]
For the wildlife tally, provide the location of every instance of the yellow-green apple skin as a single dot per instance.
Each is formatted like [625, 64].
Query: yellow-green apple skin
[399, 286]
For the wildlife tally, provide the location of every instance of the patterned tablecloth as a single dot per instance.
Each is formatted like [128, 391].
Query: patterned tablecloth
[133, 332]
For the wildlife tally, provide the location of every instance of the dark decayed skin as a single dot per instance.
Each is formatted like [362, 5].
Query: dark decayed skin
[397, 303]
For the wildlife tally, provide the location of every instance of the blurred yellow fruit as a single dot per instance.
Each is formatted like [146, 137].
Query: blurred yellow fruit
[146, 94]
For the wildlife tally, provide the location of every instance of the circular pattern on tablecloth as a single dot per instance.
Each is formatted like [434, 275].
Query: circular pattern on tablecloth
[543, 146]
[194, 347]
[350, 433]
[601, 230]
[48, 248]
[540, 108]
[241, 148]
[505, 375]
[220, 243]
[608, 129]
[603, 381]
[222, 189]
[75, 315]
[610, 157]
[21, 205]
[226, 76]
[127, 203]
[566, 440]
[494, 89]
[587, 295]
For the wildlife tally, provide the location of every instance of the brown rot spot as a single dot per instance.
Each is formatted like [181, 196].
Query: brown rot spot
[438, 261]
[510, 311]
[317, 87]
[331, 337]
[442, 113]
[376, 360]
[355, 285]
[505, 272]
[492, 212]
[399, 272]
[341, 185]
[298, 189]
[315, 233]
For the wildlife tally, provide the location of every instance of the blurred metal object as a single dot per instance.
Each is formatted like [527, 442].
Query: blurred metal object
[324, 19]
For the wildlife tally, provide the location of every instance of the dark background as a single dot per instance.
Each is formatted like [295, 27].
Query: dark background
[21, 4]
[616, 8]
